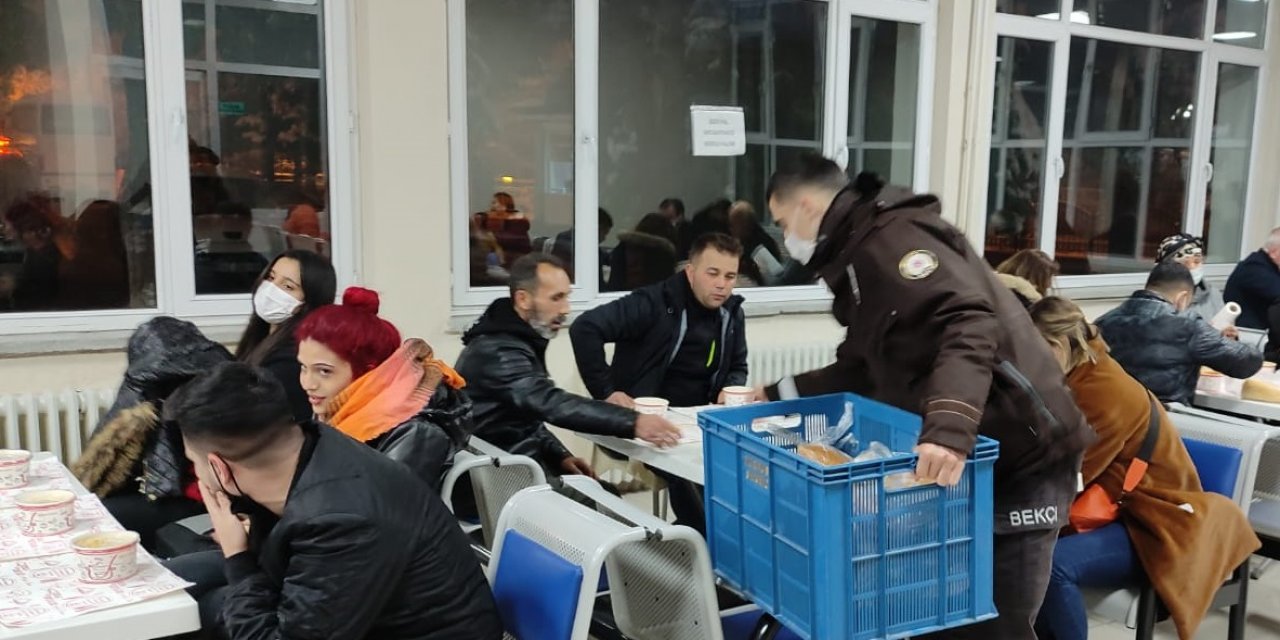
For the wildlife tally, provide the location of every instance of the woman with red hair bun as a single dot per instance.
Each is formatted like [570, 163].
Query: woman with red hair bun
[396, 397]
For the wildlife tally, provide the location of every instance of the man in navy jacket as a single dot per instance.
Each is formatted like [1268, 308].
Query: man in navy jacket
[683, 340]
[1255, 284]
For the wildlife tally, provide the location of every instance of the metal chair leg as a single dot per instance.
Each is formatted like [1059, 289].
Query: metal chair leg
[1237, 621]
[1148, 603]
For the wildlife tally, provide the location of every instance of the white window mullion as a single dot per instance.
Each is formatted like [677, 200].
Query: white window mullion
[464, 294]
[586, 161]
[1055, 164]
[924, 101]
[1202, 145]
[170, 167]
[339, 91]
[836, 96]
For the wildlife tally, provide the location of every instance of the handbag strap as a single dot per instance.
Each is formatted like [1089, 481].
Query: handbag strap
[1138, 466]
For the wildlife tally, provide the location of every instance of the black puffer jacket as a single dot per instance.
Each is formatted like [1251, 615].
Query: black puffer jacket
[505, 364]
[648, 327]
[427, 442]
[1164, 350]
[163, 353]
[362, 550]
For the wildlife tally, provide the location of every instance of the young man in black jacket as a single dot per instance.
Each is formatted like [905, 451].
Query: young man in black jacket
[513, 395]
[683, 340]
[341, 541]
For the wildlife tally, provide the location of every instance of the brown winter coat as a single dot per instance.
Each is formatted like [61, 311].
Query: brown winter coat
[1187, 555]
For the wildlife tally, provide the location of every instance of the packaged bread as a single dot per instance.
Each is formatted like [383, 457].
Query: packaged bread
[823, 454]
[1260, 391]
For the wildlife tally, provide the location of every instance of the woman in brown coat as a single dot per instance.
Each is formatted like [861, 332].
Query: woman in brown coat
[1186, 541]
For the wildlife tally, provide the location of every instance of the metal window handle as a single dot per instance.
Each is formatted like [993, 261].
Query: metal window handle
[1208, 172]
[1059, 167]
[178, 122]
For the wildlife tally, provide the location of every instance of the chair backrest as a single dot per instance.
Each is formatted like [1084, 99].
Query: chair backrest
[1218, 466]
[561, 527]
[536, 590]
[1256, 442]
[495, 475]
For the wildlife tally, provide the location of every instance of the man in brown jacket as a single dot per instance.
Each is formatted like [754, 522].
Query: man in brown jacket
[932, 332]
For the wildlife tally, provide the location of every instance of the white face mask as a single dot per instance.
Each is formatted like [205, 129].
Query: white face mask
[800, 249]
[1197, 275]
[273, 304]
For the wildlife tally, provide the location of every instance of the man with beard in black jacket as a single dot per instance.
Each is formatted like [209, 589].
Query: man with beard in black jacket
[513, 396]
[342, 542]
[683, 340]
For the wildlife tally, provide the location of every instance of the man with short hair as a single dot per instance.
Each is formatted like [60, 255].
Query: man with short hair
[1255, 284]
[341, 542]
[1164, 348]
[931, 331]
[683, 340]
[505, 365]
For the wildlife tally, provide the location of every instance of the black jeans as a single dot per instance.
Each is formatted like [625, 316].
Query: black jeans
[206, 571]
[135, 512]
[1023, 562]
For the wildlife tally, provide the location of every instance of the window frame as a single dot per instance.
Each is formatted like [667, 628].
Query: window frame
[1059, 33]
[166, 69]
[468, 301]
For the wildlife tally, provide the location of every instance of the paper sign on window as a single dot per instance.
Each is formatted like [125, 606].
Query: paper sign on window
[718, 131]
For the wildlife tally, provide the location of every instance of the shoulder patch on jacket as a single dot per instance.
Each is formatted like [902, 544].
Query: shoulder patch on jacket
[918, 264]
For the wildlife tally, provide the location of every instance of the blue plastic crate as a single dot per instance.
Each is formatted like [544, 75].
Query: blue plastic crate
[827, 549]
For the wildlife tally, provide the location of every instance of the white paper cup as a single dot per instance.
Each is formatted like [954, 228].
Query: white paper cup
[652, 406]
[46, 513]
[738, 396]
[107, 556]
[15, 468]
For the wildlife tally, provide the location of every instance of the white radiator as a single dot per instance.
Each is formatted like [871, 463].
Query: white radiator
[767, 365]
[54, 421]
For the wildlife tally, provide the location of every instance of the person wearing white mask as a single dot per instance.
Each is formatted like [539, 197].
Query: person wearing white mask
[293, 285]
[1188, 251]
[931, 331]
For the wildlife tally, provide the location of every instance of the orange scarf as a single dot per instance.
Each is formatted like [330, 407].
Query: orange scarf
[391, 393]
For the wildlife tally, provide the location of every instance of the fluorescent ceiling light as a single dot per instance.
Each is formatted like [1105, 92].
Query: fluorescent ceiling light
[1234, 35]
[1078, 17]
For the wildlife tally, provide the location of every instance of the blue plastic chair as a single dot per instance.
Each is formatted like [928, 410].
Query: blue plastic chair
[1219, 468]
[536, 590]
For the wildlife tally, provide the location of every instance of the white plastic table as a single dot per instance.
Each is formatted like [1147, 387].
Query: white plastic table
[165, 616]
[1233, 404]
[683, 460]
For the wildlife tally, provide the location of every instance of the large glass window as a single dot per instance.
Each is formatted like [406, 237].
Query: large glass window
[1228, 186]
[520, 71]
[74, 158]
[1129, 122]
[1182, 18]
[883, 83]
[1132, 151]
[1019, 146]
[257, 147]
[586, 119]
[1241, 22]
[656, 60]
[1047, 9]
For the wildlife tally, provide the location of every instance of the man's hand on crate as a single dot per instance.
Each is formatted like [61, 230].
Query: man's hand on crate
[940, 464]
